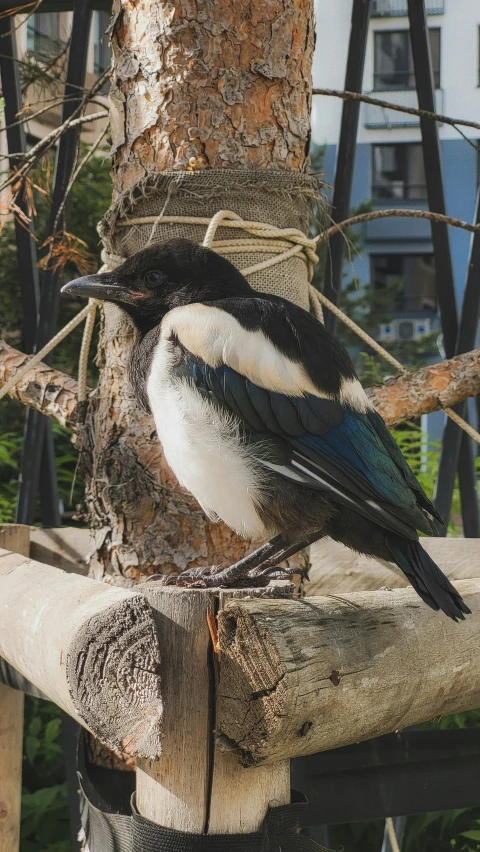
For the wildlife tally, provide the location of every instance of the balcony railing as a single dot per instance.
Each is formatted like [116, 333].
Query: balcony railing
[375, 116]
[398, 8]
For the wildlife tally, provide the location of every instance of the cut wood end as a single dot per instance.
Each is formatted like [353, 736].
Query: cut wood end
[113, 677]
[253, 678]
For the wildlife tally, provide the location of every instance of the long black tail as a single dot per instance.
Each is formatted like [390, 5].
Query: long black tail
[425, 576]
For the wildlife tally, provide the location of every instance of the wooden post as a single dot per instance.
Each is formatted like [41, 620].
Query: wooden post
[11, 740]
[12, 537]
[194, 786]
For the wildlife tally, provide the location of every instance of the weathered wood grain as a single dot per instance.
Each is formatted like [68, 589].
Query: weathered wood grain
[45, 389]
[90, 647]
[299, 677]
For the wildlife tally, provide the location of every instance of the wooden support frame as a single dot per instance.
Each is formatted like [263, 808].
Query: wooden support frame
[89, 647]
[299, 677]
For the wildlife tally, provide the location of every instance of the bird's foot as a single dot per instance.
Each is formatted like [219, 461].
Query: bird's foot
[277, 573]
[227, 578]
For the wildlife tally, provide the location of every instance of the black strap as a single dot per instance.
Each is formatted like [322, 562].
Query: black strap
[112, 824]
[279, 834]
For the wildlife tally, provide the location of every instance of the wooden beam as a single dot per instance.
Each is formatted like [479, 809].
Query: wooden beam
[15, 536]
[195, 786]
[67, 548]
[88, 646]
[335, 569]
[300, 677]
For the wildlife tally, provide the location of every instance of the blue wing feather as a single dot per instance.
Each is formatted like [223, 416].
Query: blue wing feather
[351, 450]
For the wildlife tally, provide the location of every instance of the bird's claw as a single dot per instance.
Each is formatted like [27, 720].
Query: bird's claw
[217, 578]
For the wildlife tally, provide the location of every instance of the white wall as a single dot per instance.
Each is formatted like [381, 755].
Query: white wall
[458, 76]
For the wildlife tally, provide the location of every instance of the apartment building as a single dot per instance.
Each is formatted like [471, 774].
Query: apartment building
[389, 167]
[42, 36]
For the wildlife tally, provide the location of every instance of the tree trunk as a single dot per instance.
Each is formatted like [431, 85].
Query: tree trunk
[195, 85]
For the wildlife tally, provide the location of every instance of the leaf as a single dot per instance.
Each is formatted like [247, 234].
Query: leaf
[31, 748]
[471, 835]
[35, 726]
[52, 731]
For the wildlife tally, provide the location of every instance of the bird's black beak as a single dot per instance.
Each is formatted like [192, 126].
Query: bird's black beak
[103, 286]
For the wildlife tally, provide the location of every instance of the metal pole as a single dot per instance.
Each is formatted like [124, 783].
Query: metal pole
[346, 151]
[443, 265]
[49, 301]
[457, 451]
[27, 263]
[433, 173]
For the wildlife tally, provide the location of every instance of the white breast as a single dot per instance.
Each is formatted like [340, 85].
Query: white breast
[203, 447]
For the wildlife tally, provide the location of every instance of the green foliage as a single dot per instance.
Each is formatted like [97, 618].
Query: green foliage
[91, 195]
[45, 824]
[70, 487]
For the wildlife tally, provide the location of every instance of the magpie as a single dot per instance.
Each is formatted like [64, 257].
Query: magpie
[263, 419]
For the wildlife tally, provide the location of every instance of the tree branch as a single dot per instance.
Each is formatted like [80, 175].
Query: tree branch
[432, 388]
[422, 113]
[386, 213]
[45, 389]
[402, 398]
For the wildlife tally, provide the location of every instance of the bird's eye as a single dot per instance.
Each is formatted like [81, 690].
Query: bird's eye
[154, 278]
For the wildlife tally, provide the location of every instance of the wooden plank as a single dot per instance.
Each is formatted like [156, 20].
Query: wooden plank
[11, 741]
[336, 569]
[67, 548]
[15, 537]
[88, 646]
[195, 786]
[300, 677]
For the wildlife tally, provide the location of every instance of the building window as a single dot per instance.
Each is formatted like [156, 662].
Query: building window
[393, 61]
[396, 8]
[43, 34]
[410, 278]
[102, 52]
[398, 172]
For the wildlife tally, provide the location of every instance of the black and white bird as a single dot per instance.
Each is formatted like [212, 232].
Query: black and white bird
[262, 417]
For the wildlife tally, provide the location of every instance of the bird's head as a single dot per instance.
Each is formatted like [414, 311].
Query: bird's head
[161, 277]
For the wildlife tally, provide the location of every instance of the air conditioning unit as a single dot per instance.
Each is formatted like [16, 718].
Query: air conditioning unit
[405, 329]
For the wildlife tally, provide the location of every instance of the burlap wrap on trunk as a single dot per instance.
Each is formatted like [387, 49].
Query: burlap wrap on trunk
[282, 199]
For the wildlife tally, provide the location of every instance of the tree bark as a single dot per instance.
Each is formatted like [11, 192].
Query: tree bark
[223, 84]
[195, 84]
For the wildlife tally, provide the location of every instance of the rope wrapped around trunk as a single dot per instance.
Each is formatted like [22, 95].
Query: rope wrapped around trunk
[182, 204]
